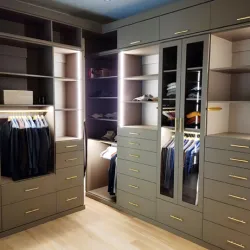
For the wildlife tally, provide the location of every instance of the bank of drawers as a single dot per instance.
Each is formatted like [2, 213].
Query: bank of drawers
[227, 193]
[136, 166]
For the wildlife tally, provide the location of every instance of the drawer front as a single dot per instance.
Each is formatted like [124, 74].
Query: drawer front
[69, 146]
[237, 145]
[69, 177]
[136, 204]
[232, 217]
[226, 193]
[228, 174]
[70, 198]
[137, 133]
[135, 155]
[144, 172]
[70, 159]
[230, 158]
[234, 12]
[225, 238]
[18, 191]
[136, 143]
[180, 218]
[185, 21]
[28, 211]
[136, 186]
[138, 33]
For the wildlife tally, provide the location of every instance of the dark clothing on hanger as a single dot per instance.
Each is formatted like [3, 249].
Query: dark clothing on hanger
[112, 176]
[5, 148]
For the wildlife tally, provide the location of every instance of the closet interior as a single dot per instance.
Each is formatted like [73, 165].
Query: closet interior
[101, 115]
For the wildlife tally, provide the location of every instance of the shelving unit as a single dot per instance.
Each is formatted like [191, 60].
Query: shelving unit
[142, 78]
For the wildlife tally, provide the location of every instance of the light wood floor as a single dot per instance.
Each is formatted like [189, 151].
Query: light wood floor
[99, 227]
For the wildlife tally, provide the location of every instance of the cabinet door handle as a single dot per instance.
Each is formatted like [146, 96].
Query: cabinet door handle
[237, 197]
[31, 189]
[134, 170]
[133, 204]
[134, 143]
[135, 42]
[238, 177]
[181, 125]
[236, 220]
[71, 146]
[32, 211]
[71, 199]
[214, 109]
[132, 133]
[72, 159]
[176, 125]
[135, 156]
[176, 218]
[132, 186]
[243, 18]
[238, 160]
[238, 146]
[236, 244]
[72, 177]
[181, 32]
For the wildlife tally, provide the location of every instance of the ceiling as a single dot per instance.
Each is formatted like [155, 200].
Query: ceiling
[101, 10]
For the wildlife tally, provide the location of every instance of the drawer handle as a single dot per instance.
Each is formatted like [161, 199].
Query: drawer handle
[133, 204]
[239, 221]
[181, 32]
[132, 186]
[71, 199]
[72, 177]
[238, 177]
[135, 156]
[238, 160]
[243, 18]
[134, 170]
[134, 143]
[31, 189]
[71, 146]
[238, 146]
[236, 244]
[132, 133]
[32, 211]
[237, 197]
[135, 42]
[176, 218]
[72, 159]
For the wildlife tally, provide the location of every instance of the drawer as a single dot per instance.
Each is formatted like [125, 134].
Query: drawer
[138, 33]
[134, 132]
[230, 158]
[136, 143]
[69, 146]
[228, 174]
[226, 143]
[232, 217]
[69, 159]
[27, 211]
[225, 238]
[138, 156]
[234, 12]
[226, 193]
[69, 177]
[187, 21]
[144, 172]
[136, 186]
[136, 204]
[70, 198]
[26, 189]
[180, 218]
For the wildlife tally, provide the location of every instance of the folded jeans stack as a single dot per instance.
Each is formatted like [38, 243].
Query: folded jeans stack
[195, 93]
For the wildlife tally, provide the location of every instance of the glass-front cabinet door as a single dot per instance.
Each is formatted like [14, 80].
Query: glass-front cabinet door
[169, 114]
[192, 121]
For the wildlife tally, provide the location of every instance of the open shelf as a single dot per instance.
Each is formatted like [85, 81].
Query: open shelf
[66, 138]
[232, 135]
[193, 99]
[103, 78]
[9, 74]
[66, 109]
[141, 102]
[142, 78]
[142, 127]
[232, 70]
[103, 119]
[107, 53]
[170, 71]
[196, 130]
[239, 102]
[195, 69]
[103, 141]
[62, 79]
[103, 98]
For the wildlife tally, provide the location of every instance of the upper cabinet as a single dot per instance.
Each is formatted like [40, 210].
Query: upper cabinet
[139, 33]
[229, 12]
[185, 21]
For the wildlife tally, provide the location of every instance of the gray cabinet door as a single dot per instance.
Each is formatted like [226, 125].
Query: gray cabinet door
[186, 21]
[139, 33]
[229, 12]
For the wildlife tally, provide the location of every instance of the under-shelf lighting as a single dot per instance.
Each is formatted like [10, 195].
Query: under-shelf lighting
[121, 94]
[79, 95]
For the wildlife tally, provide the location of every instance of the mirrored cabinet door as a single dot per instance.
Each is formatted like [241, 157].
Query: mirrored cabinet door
[192, 120]
[169, 113]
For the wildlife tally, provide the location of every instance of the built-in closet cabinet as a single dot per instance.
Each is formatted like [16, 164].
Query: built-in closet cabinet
[229, 12]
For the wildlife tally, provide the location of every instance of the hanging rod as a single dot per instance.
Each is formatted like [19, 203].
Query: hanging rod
[24, 111]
